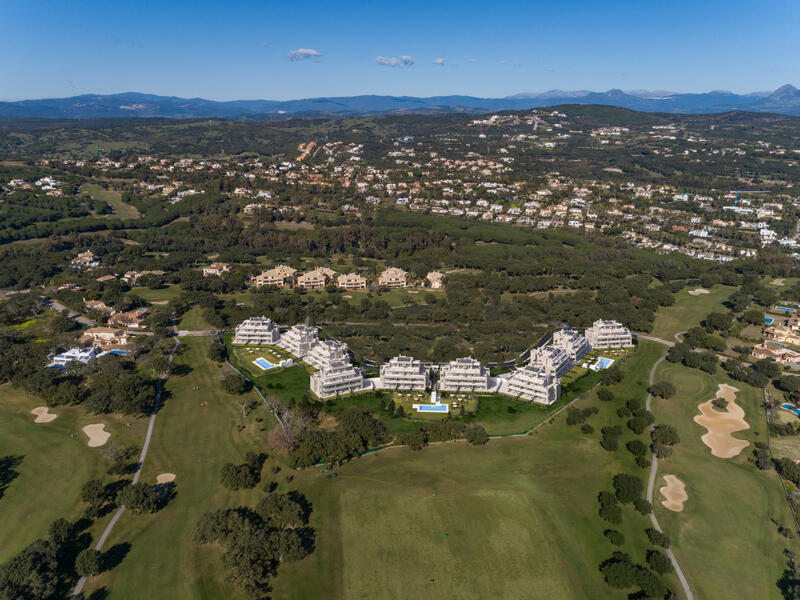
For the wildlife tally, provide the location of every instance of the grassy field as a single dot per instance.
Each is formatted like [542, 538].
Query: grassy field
[55, 462]
[723, 539]
[194, 320]
[689, 310]
[113, 198]
[168, 292]
[192, 440]
[514, 519]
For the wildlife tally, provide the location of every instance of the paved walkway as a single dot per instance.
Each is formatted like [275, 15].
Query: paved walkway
[687, 591]
[145, 446]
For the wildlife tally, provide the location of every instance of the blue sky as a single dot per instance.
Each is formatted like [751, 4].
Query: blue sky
[248, 49]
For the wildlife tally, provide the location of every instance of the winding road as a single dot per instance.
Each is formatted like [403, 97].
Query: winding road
[145, 446]
[687, 591]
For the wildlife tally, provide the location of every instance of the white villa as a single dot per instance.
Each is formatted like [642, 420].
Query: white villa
[257, 330]
[299, 340]
[79, 355]
[552, 359]
[533, 383]
[339, 378]
[572, 343]
[608, 334]
[323, 354]
[436, 279]
[463, 375]
[404, 373]
[393, 278]
[316, 279]
[351, 281]
[216, 269]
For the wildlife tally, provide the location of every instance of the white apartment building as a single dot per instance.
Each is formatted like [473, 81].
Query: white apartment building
[351, 281]
[316, 279]
[257, 330]
[436, 279]
[572, 343]
[393, 278]
[280, 276]
[533, 383]
[216, 269]
[404, 373]
[552, 359]
[299, 340]
[463, 375]
[339, 378]
[608, 334]
[323, 354]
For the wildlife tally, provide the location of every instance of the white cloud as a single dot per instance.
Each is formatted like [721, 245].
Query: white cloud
[303, 53]
[472, 60]
[396, 61]
[265, 44]
[439, 61]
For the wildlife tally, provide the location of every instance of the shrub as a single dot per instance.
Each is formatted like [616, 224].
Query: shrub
[88, 562]
[476, 435]
[586, 428]
[605, 395]
[657, 538]
[643, 506]
[627, 488]
[659, 561]
[662, 389]
[614, 536]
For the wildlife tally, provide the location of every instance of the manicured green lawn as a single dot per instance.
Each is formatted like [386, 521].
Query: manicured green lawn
[689, 310]
[168, 292]
[112, 197]
[55, 462]
[193, 320]
[723, 539]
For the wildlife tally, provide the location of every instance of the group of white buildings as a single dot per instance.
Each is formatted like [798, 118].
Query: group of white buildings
[538, 381]
[283, 276]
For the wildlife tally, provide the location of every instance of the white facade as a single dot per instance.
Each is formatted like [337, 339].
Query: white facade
[323, 354]
[608, 334]
[80, 355]
[404, 373]
[534, 384]
[463, 374]
[339, 378]
[572, 343]
[299, 340]
[552, 359]
[257, 330]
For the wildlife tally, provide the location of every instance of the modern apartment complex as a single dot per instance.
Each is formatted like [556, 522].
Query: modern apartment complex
[535, 384]
[299, 340]
[351, 281]
[338, 378]
[552, 359]
[608, 334]
[404, 373]
[572, 343]
[280, 276]
[393, 278]
[323, 354]
[257, 330]
[316, 279]
[463, 375]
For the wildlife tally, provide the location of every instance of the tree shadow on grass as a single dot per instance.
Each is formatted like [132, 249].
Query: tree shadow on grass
[115, 555]
[8, 472]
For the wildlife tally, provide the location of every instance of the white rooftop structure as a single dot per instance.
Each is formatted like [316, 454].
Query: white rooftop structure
[552, 359]
[326, 352]
[572, 343]
[608, 334]
[533, 383]
[80, 355]
[463, 374]
[404, 373]
[339, 378]
[299, 340]
[257, 330]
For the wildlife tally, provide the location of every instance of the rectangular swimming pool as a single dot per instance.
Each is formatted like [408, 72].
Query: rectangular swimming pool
[434, 408]
[768, 320]
[263, 364]
[785, 309]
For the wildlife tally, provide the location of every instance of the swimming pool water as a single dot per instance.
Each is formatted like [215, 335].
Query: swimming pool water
[437, 408]
[791, 408]
[263, 363]
[768, 320]
[785, 309]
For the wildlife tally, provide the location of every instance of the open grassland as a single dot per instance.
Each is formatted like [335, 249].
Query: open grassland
[164, 294]
[724, 540]
[193, 320]
[122, 210]
[689, 310]
[197, 431]
[514, 519]
[54, 461]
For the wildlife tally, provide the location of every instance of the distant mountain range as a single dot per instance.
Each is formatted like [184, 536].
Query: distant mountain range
[784, 100]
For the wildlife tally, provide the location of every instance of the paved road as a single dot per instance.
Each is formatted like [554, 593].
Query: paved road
[107, 531]
[78, 318]
[644, 336]
[687, 591]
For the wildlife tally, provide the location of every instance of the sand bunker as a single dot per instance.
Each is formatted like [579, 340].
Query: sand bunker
[721, 425]
[42, 415]
[778, 281]
[165, 478]
[698, 291]
[674, 493]
[97, 434]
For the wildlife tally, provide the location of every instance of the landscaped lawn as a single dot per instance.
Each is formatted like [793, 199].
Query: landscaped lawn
[688, 310]
[166, 293]
[193, 320]
[112, 197]
[723, 539]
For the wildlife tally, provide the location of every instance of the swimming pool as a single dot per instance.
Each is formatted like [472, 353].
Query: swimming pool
[785, 309]
[776, 344]
[768, 320]
[791, 408]
[434, 408]
[263, 363]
